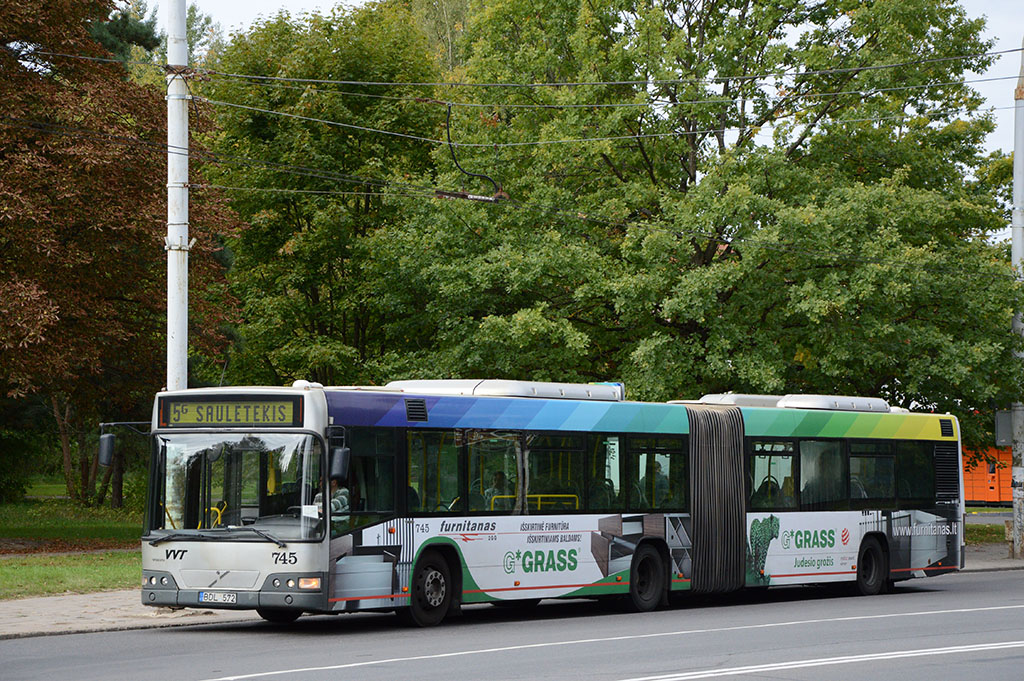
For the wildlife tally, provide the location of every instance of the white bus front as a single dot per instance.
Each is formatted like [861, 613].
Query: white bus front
[235, 511]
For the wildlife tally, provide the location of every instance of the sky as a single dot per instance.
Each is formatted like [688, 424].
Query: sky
[1005, 25]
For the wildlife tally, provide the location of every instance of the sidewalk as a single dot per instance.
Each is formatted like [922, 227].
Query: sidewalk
[119, 610]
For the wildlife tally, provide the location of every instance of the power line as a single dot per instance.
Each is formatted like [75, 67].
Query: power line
[577, 140]
[324, 121]
[108, 60]
[420, 192]
[694, 81]
[652, 103]
[684, 81]
[227, 159]
[317, 192]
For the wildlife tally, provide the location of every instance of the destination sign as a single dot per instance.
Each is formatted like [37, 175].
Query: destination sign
[230, 413]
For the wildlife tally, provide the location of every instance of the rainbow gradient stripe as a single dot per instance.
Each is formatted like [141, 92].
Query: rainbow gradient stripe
[355, 408]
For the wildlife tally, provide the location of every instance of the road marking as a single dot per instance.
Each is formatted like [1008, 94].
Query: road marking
[609, 639]
[826, 661]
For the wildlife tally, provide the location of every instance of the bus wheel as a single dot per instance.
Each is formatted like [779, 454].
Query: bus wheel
[278, 615]
[872, 568]
[646, 579]
[431, 591]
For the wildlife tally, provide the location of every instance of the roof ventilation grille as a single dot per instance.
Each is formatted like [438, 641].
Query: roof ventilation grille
[415, 410]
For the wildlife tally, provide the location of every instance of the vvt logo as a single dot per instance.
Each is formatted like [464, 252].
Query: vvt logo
[845, 536]
[175, 554]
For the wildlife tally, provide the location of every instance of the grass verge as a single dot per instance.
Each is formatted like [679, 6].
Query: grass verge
[63, 520]
[40, 486]
[49, 575]
[984, 534]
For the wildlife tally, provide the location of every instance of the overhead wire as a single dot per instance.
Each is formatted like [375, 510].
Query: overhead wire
[683, 81]
[652, 103]
[419, 192]
[579, 140]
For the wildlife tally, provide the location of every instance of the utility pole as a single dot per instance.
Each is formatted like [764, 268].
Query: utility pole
[1017, 230]
[177, 243]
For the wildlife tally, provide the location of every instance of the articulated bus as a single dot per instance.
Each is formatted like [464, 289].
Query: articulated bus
[421, 496]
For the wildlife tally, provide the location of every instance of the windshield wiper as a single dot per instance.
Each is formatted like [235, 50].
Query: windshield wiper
[263, 533]
[180, 535]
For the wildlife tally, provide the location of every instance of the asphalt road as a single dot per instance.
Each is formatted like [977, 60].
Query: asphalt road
[969, 625]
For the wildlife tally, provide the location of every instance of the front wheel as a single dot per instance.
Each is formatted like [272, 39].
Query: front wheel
[278, 615]
[872, 568]
[647, 579]
[431, 595]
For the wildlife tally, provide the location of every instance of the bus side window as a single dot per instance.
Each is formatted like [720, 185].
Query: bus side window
[872, 475]
[604, 473]
[822, 476]
[556, 473]
[433, 472]
[772, 474]
[492, 460]
[658, 471]
[915, 475]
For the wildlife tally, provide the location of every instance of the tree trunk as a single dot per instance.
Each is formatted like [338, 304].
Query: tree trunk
[65, 445]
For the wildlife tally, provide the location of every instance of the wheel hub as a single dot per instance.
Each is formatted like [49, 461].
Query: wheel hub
[434, 588]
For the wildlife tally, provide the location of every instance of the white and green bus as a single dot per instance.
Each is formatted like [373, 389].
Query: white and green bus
[421, 496]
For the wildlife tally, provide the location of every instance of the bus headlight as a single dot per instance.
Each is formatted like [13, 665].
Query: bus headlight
[309, 583]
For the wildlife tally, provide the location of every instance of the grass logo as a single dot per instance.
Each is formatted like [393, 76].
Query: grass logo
[561, 560]
[809, 539]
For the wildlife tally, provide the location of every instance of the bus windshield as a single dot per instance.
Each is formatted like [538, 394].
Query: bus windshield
[237, 483]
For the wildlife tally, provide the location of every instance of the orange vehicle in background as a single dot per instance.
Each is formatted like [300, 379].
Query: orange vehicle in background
[988, 482]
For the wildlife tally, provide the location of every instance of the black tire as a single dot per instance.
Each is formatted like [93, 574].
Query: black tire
[647, 579]
[872, 568]
[431, 592]
[278, 615]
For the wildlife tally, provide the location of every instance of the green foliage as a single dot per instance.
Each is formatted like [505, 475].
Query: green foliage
[827, 231]
[299, 268]
[124, 29]
[135, 491]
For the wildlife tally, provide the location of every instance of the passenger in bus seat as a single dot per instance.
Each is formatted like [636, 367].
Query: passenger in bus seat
[658, 486]
[494, 496]
[788, 499]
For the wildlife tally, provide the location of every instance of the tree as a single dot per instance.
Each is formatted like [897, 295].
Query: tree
[770, 206]
[81, 257]
[204, 36]
[443, 21]
[123, 29]
[299, 269]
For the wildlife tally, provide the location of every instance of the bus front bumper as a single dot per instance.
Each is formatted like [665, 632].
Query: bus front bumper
[160, 590]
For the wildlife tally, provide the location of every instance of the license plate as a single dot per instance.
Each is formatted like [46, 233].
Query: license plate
[217, 597]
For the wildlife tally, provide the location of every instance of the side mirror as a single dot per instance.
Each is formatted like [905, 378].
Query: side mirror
[338, 467]
[106, 457]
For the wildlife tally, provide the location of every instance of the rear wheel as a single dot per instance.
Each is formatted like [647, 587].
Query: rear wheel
[278, 615]
[431, 595]
[872, 568]
[647, 579]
